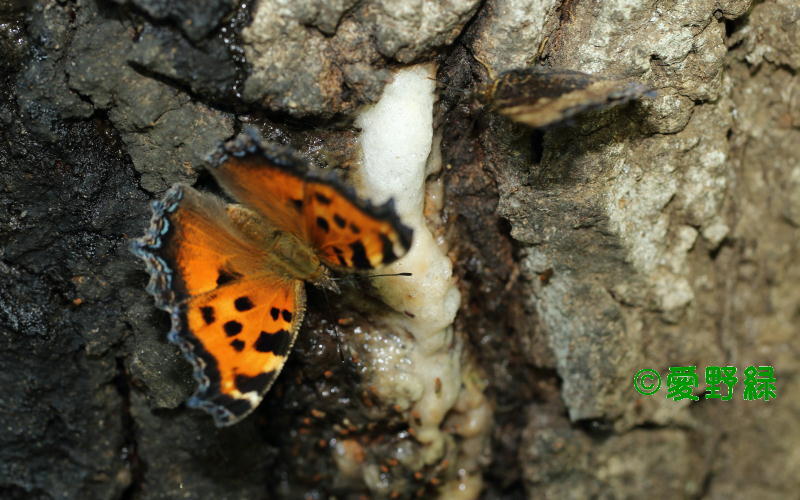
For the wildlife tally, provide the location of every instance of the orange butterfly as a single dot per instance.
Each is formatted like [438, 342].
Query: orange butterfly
[231, 276]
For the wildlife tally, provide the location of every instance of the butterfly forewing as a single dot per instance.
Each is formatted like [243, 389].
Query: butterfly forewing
[348, 236]
[345, 231]
[268, 185]
[539, 97]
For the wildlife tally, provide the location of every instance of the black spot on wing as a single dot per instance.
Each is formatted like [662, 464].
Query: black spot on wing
[322, 198]
[360, 259]
[354, 228]
[276, 343]
[323, 224]
[287, 315]
[274, 312]
[226, 276]
[387, 248]
[208, 314]
[238, 345]
[243, 304]
[232, 328]
[257, 383]
[297, 204]
[339, 220]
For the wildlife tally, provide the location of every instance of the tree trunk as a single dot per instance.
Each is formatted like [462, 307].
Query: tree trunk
[661, 233]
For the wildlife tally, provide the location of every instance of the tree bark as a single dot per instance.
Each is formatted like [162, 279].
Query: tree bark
[657, 234]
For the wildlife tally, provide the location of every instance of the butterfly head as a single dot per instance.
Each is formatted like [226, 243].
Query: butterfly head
[324, 279]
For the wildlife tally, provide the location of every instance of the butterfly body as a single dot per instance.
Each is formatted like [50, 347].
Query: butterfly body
[232, 275]
[284, 253]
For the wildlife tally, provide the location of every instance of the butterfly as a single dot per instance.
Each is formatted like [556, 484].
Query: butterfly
[540, 97]
[232, 276]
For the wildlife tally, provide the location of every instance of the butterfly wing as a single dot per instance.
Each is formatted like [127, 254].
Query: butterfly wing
[539, 97]
[234, 319]
[270, 183]
[347, 232]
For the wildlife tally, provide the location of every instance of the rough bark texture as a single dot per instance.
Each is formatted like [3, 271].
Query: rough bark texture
[662, 233]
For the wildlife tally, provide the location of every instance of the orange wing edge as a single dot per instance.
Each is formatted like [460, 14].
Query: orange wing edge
[224, 409]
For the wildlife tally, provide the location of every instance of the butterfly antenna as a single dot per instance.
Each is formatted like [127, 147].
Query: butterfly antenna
[384, 275]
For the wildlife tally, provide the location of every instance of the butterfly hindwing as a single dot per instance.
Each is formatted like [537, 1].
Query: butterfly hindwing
[234, 319]
[243, 332]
